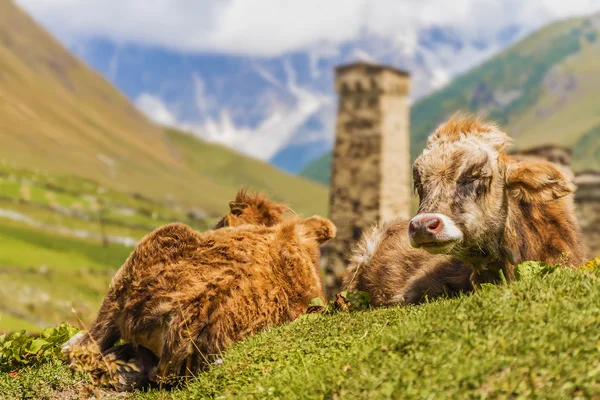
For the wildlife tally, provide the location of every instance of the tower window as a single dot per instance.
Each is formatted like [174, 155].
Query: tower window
[374, 84]
[345, 88]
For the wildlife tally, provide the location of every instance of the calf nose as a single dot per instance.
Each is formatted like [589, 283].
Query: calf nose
[427, 224]
[423, 229]
[434, 225]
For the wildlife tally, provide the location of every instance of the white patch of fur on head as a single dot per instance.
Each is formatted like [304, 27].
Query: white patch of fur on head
[450, 231]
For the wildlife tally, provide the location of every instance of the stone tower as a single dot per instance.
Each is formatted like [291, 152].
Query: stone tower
[588, 209]
[370, 176]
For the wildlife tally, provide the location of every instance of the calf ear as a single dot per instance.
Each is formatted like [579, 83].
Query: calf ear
[237, 208]
[537, 181]
[322, 228]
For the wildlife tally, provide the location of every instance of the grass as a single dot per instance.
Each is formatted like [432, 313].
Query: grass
[223, 172]
[27, 247]
[52, 257]
[537, 337]
[11, 323]
[45, 275]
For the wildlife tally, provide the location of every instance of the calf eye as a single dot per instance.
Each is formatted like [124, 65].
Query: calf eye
[418, 189]
[470, 178]
[467, 181]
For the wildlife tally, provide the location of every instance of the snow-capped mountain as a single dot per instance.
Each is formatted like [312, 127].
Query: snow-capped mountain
[280, 109]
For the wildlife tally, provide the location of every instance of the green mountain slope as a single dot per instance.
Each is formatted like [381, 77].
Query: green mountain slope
[542, 90]
[57, 115]
[84, 175]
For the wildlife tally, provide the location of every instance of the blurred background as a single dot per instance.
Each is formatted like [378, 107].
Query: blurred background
[119, 116]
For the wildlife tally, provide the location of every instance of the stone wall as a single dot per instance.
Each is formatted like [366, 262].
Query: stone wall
[588, 209]
[371, 158]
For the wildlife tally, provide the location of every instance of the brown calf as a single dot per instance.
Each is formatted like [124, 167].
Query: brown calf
[182, 297]
[480, 212]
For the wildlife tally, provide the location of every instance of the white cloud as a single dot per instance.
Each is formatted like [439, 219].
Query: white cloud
[270, 27]
[155, 109]
[273, 132]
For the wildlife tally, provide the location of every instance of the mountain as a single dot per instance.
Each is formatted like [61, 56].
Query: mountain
[541, 90]
[279, 109]
[60, 116]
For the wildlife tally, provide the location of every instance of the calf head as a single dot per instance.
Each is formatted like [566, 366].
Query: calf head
[254, 209]
[466, 183]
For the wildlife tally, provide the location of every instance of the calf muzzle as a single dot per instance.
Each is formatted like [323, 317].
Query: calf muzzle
[433, 232]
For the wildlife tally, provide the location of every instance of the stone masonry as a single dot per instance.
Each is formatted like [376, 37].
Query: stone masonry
[370, 178]
[588, 209]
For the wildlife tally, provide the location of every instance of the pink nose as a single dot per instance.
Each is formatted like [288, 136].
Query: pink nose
[424, 229]
[432, 224]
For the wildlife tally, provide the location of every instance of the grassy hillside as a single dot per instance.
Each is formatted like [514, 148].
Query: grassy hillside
[534, 338]
[62, 238]
[84, 175]
[541, 90]
[59, 116]
[220, 172]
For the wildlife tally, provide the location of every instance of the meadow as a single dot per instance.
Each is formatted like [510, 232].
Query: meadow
[62, 239]
[536, 337]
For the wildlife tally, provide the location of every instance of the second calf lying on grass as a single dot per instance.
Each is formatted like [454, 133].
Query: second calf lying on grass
[481, 212]
[183, 296]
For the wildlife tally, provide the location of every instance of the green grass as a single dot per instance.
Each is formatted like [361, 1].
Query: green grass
[11, 323]
[537, 337]
[27, 247]
[44, 275]
[222, 172]
[47, 269]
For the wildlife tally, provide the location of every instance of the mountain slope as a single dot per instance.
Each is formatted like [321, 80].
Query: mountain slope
[541, 90]
[59, 116]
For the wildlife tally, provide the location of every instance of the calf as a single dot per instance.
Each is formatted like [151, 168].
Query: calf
[182, 296]
[481, 212]
[487, 209]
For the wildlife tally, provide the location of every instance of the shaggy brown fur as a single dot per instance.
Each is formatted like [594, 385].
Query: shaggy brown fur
[508, 211]
[504, 211]
[386, 266]
[185, 296]
[255, 209]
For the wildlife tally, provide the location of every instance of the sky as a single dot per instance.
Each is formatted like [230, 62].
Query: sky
[274, 27]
